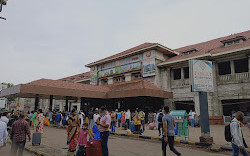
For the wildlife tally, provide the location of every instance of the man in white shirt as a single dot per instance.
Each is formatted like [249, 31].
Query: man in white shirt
[191, 117]
[4, 118]
[3, 134]
[82, 118]
[237, 137]
[128, 117]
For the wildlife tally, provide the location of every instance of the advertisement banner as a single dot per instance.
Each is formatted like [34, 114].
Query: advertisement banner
[201, 73]
[106, 73]
[3, 86]
[120, 69]
[93, 75]
[2, 102]
[128, 60]
[148, 67]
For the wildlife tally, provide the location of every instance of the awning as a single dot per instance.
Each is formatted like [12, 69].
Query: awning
[61, 89]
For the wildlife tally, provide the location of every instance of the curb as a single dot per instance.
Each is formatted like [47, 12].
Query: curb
[159, 139]
[28, 149]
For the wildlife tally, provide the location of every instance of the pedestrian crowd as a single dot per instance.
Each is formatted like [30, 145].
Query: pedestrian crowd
[94, 128]
[16, 126]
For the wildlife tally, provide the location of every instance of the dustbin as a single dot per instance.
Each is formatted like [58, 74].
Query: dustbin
[181, 127]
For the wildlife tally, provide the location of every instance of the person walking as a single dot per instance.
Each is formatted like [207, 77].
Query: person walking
[90, 116]
[128, 117]
[142, 117]
[39, 121]
[4, 118]
[160, 124]
[237, 135]
[72, 131]
[119, 119]
[191, 117]
[50, 117]
[137, 123]
[113, 120]
[3, 134]
[58, 119]
[34, 120]
[103, 127]
[81, 118]
[168, 137]
[19, 132]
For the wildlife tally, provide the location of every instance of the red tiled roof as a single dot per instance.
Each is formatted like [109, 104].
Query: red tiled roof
[144, 45]
[212, 47]
[68, 85]
[77, 77]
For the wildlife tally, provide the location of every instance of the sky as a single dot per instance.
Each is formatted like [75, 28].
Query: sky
[56, 38]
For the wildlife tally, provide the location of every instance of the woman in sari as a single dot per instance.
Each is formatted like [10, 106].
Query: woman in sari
[123, 117]
[73, 128]
[39, 121]
[34, 120]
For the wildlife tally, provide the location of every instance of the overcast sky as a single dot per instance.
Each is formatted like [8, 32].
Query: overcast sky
[56, 38]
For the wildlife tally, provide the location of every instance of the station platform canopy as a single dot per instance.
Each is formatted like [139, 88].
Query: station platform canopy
[44, 88]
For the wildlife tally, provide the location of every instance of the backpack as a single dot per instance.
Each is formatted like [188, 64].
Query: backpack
[227, 133]
[160, 117]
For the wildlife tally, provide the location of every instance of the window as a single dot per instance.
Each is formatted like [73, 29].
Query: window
[224, 68]
[241, 66]
[177, 74]
[186, 72]
[137, 76]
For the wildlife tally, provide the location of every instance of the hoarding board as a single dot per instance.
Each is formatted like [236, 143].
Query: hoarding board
[148, 67]
[120, 69]
[93, 75]
[121, 62]
[2, 102]
[201, 75]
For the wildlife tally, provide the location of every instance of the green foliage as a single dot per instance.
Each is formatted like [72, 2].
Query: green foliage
[10, 99]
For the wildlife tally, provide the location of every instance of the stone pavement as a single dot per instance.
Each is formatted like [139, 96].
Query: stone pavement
[216, 131]
[54, 143]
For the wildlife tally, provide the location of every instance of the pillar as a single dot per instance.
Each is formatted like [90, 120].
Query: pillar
[70, 104]
[182, 73]
[169, 103]
[82, 103]
[67, 105]
[110, 80]
[232, 67]
[128, 77]
[100, 82]
[249, 63]
[36, 102]
[196, 103]
[50, 102]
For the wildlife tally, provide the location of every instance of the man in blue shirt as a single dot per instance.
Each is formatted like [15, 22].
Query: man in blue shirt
[58, 119]
[168, 128]
[119, 118]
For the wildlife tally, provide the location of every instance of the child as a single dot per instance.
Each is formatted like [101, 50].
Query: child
[82, 140]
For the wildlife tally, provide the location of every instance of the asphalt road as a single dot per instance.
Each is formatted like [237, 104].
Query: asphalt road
[121, 146]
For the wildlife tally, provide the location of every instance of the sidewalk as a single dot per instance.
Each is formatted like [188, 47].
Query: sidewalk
[216, 131]
[51, 144]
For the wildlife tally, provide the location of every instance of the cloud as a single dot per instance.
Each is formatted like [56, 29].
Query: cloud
[54, 39]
